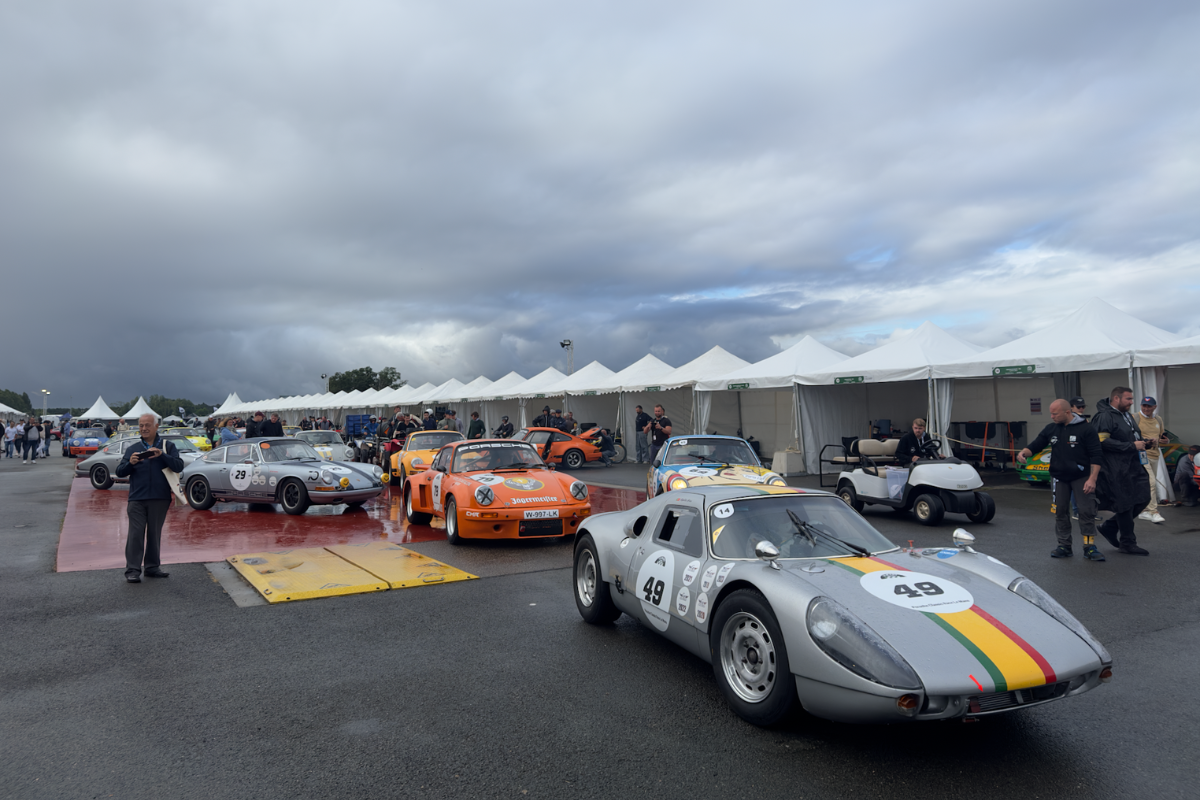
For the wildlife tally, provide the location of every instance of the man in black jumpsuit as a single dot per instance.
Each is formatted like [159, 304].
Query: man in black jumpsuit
[916, 445]
[1124, 486]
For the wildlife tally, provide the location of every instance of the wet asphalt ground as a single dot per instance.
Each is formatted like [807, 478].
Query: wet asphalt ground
[496, 688]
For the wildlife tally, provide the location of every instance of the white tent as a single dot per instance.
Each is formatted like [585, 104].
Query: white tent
[581, 399]
[778, 371]
[226, 408]
[1177, 353]
[139, 408]
[632, 384]
[9, 411]
[691, 412]
[842, 400]
[491, 400]
[465, 404]
[1171, 373]
[99, 410]
[532, 389]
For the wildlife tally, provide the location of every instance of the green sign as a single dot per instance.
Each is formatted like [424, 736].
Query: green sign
[652, 389]
[849, 379]
[733, 386]
[589, 394]
[539, 395]
[1024, 369]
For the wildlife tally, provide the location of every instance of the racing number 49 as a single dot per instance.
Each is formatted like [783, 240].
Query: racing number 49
[924, 587]
[653, 591]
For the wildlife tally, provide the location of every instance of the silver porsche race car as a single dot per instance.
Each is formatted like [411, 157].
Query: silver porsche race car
[101, 466]
[792, 596]
[286, 471]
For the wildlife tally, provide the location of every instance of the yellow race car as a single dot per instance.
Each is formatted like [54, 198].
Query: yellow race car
[419, 449]
[196, 436]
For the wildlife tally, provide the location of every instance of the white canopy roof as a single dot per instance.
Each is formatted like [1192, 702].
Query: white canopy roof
[806, 355]
[450, 391]
[475, 387]
[139, 408]
[909, 358]
[100, 410]
[498, 388]
[537, 385]
[1183, 351]
[582, 381]
[1097, 336]
[409, 395]
[646, 371]
[10, 410]
[713, 364]
[231, 402]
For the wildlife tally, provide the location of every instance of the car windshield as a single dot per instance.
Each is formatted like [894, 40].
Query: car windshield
[738, 526]
[287, 450]
[432, 440]
[88, 433]
[700, 450]
[496, 455]
[319, 437]
[183, 445]
[187, 432]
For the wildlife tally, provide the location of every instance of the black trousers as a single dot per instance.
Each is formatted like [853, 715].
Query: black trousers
[1121, 523]
[146, 518]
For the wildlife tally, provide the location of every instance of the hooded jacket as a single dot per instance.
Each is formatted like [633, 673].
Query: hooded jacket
[1124, 484]
[1074, 447]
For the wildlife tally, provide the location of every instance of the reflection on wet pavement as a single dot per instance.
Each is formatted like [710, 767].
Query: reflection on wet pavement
[93, 533]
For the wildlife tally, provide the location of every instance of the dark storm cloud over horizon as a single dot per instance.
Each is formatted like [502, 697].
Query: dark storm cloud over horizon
[241, 196]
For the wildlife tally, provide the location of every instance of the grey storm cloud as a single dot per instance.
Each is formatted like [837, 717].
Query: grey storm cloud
[217, 196]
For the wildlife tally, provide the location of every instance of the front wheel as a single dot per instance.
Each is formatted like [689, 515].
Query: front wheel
[101, 477]
[199, 496]
[413, 517]
[750, 660]
[294, 498]
[850, 497]
[573, 459]
[929, 509]
[985, 508]
[619, 458]
[592, 595]
[452, 522]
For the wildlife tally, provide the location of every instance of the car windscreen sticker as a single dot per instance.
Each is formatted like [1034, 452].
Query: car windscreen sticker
[265, 445]
[524, 484]
[683, 601]
[689, 572]
[723, 511]
[654, 587]
[917, 591]
[947, 553]
[487, 479]
[697, 472]
[723, 574]
[682, 441]
[702, 608]
[240, 477]
[717, 533]
[710, 575]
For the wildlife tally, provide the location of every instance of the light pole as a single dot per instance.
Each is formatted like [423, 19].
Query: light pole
[569, 346]
[323, 377]
[45, 394]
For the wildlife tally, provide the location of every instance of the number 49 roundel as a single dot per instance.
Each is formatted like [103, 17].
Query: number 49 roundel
[918, 591]
[655, 589]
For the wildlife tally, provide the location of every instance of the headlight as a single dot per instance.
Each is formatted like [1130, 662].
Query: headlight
[777, 481]
[1034, 594]
[417, 460]
[327, 478]
[378, 470]
[484, 495]
[679, 483]
[849, 641]
[579, 490]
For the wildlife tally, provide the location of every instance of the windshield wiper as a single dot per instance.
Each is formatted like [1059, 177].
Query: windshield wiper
[808, 530]
[707, 460]
[511, 469]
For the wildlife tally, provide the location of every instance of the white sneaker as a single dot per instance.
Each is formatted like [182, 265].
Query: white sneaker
[26, 461]
[1146, 516]
[1157, 517]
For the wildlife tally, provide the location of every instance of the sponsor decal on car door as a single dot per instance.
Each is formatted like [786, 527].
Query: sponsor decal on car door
[437, 491]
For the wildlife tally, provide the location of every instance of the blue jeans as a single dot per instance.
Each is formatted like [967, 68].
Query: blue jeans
[31, 446]
[8, 447]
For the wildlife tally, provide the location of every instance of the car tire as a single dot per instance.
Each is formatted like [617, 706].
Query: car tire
[929, 509]
[452, 535]
[101, 477]
[414, 517]
[293, 497]
[199, 495]
[573, 459]
[850, 497]
[593, 597]
[985, 508]
[398, 477]
[620, 456]
[750, 659]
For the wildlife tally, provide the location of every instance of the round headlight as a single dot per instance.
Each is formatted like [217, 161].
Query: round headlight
[378, 470]
[579, 490]
[327, 478]
[679, 483]
[484, 495]
[777, 481]
[417, 460]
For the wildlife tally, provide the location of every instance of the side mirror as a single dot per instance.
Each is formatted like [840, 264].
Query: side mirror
[550, 467]
[768, 552]
[440, 469]
[963, 540]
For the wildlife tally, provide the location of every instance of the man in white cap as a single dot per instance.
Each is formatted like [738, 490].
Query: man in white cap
[1154, 432]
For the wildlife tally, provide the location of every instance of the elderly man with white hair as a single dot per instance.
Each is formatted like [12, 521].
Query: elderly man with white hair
[149, 498]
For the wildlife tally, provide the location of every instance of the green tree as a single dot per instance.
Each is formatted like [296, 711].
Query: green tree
[361, 379]
[18, 401]
[388, 377]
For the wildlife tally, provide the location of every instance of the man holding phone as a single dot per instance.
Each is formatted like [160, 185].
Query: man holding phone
[149, 498]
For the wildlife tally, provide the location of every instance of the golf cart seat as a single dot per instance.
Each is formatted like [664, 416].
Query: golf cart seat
[876, 453]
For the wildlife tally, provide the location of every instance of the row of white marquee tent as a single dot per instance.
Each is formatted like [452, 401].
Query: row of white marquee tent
[809, 395]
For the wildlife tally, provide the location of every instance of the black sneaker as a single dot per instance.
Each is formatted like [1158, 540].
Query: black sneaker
[1063, 552]
[1133, 550]
[1109, 535]
[1092, 553]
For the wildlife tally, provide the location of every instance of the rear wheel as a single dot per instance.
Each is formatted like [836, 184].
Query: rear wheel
[293, 497]
[985, 508]
[850, 497]
[101, 478]
[929, 509]
[750, 660]
[199, 496]
[592, 595]
[414, 517]
[452, 522]
[573, 459]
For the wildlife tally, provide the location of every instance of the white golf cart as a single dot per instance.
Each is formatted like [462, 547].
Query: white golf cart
[929, 487]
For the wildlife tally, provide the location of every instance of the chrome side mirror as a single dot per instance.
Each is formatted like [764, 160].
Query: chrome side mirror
[963, 540]
[767, 552]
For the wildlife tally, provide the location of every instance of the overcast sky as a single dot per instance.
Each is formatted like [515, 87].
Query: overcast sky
[211, 196]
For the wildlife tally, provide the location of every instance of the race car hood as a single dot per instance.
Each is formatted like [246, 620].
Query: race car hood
[526, 489]
[420, 458]
[960, 631]
[354, 475]
[713, 474]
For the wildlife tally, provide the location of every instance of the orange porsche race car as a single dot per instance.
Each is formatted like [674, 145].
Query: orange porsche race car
[495, 489]
[419, 449]
[566, 449]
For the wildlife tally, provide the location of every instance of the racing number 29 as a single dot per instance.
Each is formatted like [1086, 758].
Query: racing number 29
[924, 587]
[239, 474]
[653, 591]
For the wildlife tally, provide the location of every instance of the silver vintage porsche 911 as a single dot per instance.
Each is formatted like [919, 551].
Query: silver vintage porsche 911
[792, 596]
[278, 470]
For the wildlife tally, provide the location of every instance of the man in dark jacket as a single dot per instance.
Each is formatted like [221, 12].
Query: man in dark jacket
[1075, 467]
[272, 427]
[607, 448]
[505, 429]
[149, 498]
[476, 429]
[916, 445]
[429, 423]
[544, 420]
[253, 424]
[1124, 486]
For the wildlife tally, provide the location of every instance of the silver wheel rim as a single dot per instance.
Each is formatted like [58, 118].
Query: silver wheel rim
[585, 578]
[408, 505]
[846, 498]
[573, 460]
[922, 510]
[748, 657]
[451, 519]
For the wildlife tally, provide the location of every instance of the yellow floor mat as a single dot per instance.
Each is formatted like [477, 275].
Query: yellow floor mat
[284, 575]
[397, 565]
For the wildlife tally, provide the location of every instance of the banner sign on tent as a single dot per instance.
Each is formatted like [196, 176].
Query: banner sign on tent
[652, 389]
[736, 386]
[539, 395]
[1024, 369]
[589, 394]
[849, 379]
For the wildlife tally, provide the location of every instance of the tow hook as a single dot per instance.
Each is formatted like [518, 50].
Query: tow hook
[617, 583]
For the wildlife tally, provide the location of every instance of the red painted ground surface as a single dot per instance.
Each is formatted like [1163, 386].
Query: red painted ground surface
[93, 533]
